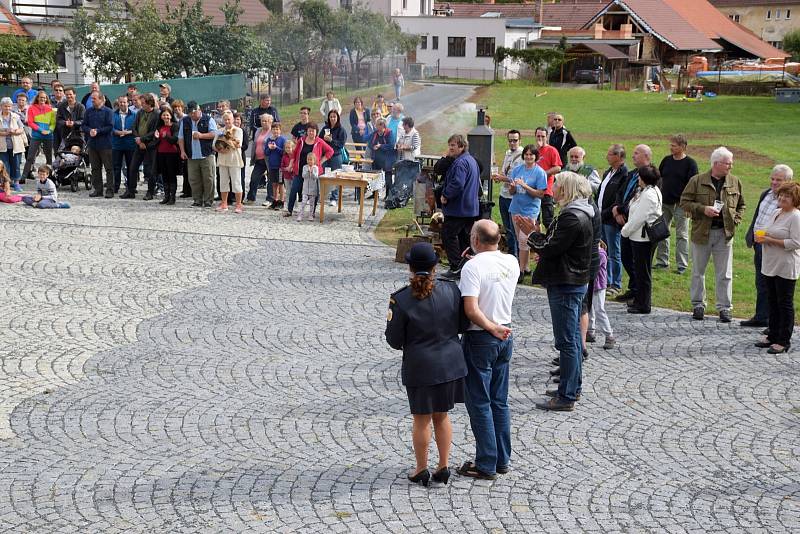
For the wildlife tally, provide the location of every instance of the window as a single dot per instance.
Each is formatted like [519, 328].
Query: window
[788, 14]
[435, 42]
[777, 14]
[405, 4]
[423, 42]
[769, 14]
[485, 47]
[734, 18]
[456, 46]
[61, 56]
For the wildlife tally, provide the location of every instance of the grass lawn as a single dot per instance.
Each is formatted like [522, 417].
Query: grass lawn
[759, 131]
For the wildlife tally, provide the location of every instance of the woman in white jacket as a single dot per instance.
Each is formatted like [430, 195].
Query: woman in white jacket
[644, 209]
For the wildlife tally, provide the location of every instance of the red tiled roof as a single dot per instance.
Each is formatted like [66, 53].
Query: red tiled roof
[566, 14]
[254, 11]
[716, 25]
[750, 3]
[695, 25]
[12, 27]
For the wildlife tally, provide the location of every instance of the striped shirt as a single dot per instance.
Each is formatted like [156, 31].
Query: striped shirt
[765, 211]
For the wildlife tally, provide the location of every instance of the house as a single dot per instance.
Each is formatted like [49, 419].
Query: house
[389, 8]
[459, 39]
[769, 19]
[49, 18]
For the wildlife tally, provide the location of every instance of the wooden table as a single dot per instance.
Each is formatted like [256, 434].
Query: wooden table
[341, 180]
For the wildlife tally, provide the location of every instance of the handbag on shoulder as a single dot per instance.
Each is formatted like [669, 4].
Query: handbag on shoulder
[658, 230]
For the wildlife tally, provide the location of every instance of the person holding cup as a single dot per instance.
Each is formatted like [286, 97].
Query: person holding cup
[780, 266]
[336, 137]
[715, 203]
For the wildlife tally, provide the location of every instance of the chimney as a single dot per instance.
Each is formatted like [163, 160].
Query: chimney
[598, 31]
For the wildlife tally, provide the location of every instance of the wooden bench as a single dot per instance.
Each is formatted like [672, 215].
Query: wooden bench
[358, 153]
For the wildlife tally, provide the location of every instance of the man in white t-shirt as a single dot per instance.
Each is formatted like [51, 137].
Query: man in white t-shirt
[487, 285]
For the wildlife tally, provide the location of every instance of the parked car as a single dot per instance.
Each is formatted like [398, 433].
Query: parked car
[590, 76]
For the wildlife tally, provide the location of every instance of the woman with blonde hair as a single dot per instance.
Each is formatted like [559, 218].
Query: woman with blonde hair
[228, 146]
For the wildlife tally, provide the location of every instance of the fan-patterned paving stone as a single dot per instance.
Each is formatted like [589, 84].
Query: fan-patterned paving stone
[176, 370]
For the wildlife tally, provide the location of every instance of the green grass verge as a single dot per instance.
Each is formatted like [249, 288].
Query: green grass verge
[759, 131]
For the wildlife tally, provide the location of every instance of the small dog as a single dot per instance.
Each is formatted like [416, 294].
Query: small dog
[226, 143]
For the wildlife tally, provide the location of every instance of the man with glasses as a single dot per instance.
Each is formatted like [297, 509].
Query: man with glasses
[57, 96]
[550, 161]
[561, 138]
[299, 129]
[512, 158]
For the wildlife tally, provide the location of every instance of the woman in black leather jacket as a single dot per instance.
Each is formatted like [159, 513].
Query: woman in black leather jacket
[565, 255]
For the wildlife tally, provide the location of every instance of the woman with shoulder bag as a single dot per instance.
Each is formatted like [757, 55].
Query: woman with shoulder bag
[643, 221]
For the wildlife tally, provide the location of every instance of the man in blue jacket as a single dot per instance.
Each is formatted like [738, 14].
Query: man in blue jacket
[97, 125]
[122, 140]
[459, 202]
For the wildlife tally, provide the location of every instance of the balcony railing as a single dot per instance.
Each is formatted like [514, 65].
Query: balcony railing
[47, 9]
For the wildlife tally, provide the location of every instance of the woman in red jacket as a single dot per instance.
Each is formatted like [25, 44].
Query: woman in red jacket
[306, 145]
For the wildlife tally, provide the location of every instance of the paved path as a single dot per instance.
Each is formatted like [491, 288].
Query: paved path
[174, 370]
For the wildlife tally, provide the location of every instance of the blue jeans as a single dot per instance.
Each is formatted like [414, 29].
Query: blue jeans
[487, 397]
[612, 237]
[511, 234]
[565, 313]
[297, 189]
[11, 161]
[334, 163]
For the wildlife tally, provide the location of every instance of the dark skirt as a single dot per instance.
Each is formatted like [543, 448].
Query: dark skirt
[438, 398]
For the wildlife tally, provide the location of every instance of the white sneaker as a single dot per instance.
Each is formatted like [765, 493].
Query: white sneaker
[266, 204]
[332, 203]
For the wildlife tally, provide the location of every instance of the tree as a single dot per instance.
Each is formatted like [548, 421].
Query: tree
[22, 55]
[119, 39]
[290, 42]
[237, 48]
[791, 43]
[193, 32]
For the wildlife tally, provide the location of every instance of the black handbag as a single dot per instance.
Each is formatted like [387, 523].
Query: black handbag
[658, 231]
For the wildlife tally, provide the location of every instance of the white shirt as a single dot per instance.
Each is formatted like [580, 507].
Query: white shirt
[610, 174]
[492, 278]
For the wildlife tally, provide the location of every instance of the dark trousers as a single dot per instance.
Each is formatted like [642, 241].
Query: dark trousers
[455, 238]
[546, 210]
[145, 159]
[626, 253]
[118, 157]
[257, 178]
[186, 190]
[33, 150]
[100, 159]
[511, 234]
[762, 305]
[168, 165]
[780, 295]
[294, 194]
[643, 269]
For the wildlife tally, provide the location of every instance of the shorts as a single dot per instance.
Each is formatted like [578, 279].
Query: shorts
[230, 179]
[274, 176]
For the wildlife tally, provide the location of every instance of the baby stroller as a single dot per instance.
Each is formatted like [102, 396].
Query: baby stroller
[69, 165]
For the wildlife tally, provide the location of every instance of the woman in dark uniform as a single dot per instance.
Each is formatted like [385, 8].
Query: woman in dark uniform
[424, 320]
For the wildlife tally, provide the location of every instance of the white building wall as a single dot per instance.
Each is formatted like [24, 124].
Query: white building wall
[397, 8]
[470, 65]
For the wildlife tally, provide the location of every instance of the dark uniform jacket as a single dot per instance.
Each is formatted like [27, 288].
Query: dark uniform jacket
[427, 332]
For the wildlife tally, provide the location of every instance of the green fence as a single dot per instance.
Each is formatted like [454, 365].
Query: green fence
[204, 89]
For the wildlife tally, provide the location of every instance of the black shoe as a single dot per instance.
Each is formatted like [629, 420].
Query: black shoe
[171, 201]
[127, 195]
[218, 198]
[95, 194]
[634, 309]
[109, 194]
[698, 313]
[556, 380]
[556, 361]
[423, 477]
[470, 470]
[555, 372]
[590, 338]
[554, 393]
[557, 404]
[185, 195]
[148, 196]
[196, 205]
[442, 475]
[763, 344]
[164, 200]
[623, 297]
[207, 204]
[778, 351]
[502, 470]
[22, 181]
[725, 316]
[753, 322]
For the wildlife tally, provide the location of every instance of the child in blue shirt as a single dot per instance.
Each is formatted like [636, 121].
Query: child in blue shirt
[46, 196]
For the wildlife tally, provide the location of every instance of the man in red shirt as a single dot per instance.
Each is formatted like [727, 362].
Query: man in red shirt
[550, 161]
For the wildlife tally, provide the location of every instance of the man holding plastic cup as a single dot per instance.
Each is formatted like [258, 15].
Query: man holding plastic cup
[715, 203]
[767, 204]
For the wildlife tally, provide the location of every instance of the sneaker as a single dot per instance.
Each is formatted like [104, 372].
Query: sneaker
[610, 343]
[238, 209]
[725, 316]
[266, 204]
[17, 187]
[331, 203]
[248, 202]
[698, 313]
[590, 337]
